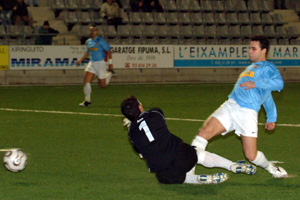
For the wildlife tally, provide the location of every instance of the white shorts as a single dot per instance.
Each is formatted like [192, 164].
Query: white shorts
[98, 68]
[234, 117]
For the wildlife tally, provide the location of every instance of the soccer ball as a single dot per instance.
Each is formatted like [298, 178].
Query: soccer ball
[15, 160]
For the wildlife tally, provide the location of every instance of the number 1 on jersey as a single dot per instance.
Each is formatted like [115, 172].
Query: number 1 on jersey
[147, 131]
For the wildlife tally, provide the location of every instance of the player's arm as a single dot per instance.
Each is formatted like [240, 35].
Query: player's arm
[272, 81]
[271, 111]
[85, 56]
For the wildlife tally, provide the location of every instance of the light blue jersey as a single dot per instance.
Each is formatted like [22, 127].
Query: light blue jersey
[267, 78]
[97, 48]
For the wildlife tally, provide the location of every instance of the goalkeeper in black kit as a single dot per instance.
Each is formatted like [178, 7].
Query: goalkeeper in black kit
[172, 160]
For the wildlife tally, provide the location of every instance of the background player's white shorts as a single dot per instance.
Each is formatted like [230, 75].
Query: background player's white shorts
[97, 68]
[234, 117]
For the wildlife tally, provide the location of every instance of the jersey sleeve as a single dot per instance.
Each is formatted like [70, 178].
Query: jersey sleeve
[272, 79]
[271, 110]
[87, 48]
[105, 45]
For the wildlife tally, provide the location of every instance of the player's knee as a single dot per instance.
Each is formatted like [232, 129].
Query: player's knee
[206, 133]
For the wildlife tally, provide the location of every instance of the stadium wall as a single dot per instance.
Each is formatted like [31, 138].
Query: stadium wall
[55, 65]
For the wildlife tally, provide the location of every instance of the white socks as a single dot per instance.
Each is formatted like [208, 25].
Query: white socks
[262, 161]
[108, 77]
[199, 142]
[210, 160]
[87, 89]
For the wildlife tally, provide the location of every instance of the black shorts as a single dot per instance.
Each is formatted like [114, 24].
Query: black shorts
[184, 161]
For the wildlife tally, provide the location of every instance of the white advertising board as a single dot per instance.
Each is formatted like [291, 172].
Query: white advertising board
[46, 57]
[142, 56]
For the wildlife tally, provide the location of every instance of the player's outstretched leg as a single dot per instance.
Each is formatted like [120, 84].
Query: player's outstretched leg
[87, 94]
[192, 178]
[242, 167]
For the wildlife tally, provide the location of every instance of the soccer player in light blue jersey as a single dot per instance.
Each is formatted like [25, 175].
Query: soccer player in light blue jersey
[96, 49]
[240, 112]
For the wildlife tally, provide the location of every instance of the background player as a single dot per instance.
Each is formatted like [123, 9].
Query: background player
[96, 48]
[172, 160]
[239, 113]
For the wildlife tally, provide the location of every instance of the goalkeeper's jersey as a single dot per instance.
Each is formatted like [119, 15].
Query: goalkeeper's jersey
[267, 78]
[150, 136]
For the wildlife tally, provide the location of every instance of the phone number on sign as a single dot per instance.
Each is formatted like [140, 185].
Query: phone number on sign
[140, 65]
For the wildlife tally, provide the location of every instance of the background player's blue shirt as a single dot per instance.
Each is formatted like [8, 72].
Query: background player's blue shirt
[267, 78]
[97, 48]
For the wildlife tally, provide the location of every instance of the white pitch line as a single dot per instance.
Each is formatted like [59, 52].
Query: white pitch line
[116, 115]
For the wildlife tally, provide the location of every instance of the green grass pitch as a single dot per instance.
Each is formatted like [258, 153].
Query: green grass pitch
[89, 156]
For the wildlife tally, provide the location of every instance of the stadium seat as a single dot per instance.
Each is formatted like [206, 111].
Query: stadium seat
[84, 17]
[246, 41]
[160, 18]
[84, 4]
[109, 31]
[208, 18]
[292, 32]
[71, 17]
[83, 31]
[199, 41]
[244, 18]
[283, 41]
[2, 31]
[218, 6]
[246, 31]
[149, 31]
[186, 31]
[255, 18]
[29, 32]
[269, 31]
[266, 19]
[234, 31]
[278, 19]
[211, 41]
[125, 41]
[58, 5]
[184, 18]
[232, 18]
[15, 41]
[125, 5]
[236, 41]
[223, 41]
[222, 32]
[174, 31]
[96, 4]
[147, 18]
[162, 31]
[230, 6]
[194, 6]
[266, 6]
[96, 18]
[210, 31]
[112, 41]
[253, 6]
[294, 42]
[183, 5]
[272, 41]
[14, 30]
[172, 18]
[241, 6]
[170, 6]
[124, 31]
[281, 31]
[71, 4]
[150, 41]
[258, 30]
[196, 18]
[297, 9]
[125, 18]
[207, 5]
[137, 31]
[220, 18]
[135, 18]
[199, 31]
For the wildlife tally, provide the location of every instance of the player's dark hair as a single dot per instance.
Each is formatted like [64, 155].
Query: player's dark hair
[130, 108]
[263, 42]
